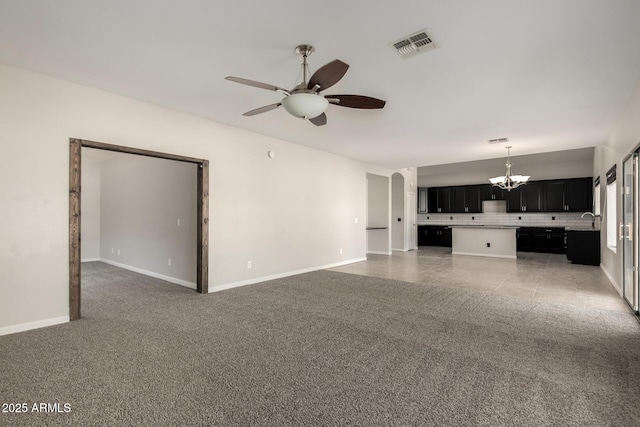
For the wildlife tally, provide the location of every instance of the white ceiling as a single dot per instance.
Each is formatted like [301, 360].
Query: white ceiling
[550, 75]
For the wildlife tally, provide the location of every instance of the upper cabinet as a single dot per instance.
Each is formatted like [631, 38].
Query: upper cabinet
[491, 192]
[568, 195]
[554, 196]
[422, 200]
[560, 195]
[466, 199]
[579, 195]
[526, 198]
[439, 199]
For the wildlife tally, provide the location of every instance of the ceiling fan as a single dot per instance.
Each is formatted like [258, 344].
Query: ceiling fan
[304, 100]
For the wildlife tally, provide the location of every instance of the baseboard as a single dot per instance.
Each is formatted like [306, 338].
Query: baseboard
[400, 250]
[281, 275]
[180, 282]
[90, 259]
[611, 279]
[485, 255]
[379, 253]
[33, 325]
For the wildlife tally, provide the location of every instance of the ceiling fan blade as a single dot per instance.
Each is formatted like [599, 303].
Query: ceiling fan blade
[257, 84]
[262, 109]
[328, 75]
[320, 120]
[356, 101]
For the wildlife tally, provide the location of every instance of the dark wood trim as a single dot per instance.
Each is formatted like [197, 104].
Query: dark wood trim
[203, 228]
[611, 174]
[138, 151]
[75, 184]
[75, 164]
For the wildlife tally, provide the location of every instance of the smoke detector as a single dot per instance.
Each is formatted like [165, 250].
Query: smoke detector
[413, 44]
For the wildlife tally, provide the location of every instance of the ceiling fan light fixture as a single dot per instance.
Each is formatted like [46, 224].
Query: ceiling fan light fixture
[305, 105]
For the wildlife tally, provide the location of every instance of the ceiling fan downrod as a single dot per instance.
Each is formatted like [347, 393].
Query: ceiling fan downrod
[305, 50]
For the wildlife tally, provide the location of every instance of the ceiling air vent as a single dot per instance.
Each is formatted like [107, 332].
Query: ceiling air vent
[413, 44]
[498, 140]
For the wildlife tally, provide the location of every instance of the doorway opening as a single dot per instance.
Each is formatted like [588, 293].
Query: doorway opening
[398, 217]
[202, 209]
[378, 212]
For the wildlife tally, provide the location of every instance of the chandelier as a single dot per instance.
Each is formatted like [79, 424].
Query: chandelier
[509, 181]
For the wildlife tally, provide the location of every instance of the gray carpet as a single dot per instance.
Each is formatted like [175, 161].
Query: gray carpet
[322, 348]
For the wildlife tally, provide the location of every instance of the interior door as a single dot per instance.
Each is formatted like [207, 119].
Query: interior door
[628, 231]
[411, 221]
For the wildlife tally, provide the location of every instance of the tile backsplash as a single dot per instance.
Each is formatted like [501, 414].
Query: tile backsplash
[547, 219]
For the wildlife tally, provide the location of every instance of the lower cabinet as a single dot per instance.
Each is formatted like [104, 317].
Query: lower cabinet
[583, 247]
[434, 235]
[523, 240]
[422, 235]
[544, 240]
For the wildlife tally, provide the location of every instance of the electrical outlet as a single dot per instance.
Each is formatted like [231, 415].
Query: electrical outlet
[248, 264]
[340, 251]
[169, 262]
[355, 220]
[118, 251]
[178, 222]
[111, 250]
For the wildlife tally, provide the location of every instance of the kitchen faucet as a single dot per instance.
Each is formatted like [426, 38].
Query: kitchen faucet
[593, 218]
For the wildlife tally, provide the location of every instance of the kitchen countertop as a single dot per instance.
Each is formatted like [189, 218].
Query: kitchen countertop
[498, 227]
[581, 229]
[569, 228]
[490, 227]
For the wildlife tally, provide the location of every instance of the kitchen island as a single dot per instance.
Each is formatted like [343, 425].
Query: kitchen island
[484, 240]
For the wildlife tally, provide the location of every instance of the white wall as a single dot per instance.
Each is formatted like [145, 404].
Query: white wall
[623, 140]
[611, 262]
[286, 214]
[559, 164]
[142, 200]
[90, 211]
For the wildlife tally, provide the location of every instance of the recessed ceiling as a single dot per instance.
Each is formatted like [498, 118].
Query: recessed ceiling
[551, 75]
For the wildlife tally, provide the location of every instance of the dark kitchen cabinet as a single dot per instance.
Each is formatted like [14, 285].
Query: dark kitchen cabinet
[422, 235]
[532, 197]
[491, 192]
[422, 200]
[466, 199]
[568, 195]
[579, 194]
[560, 195]
[514, 200]
[523, 240]
[548, 240]
[439, 199]
[583, 247]
[554, 196]
[545, 240]
[526, 198]
[438, 235]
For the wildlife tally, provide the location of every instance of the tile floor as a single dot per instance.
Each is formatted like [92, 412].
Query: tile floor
[547, 277]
